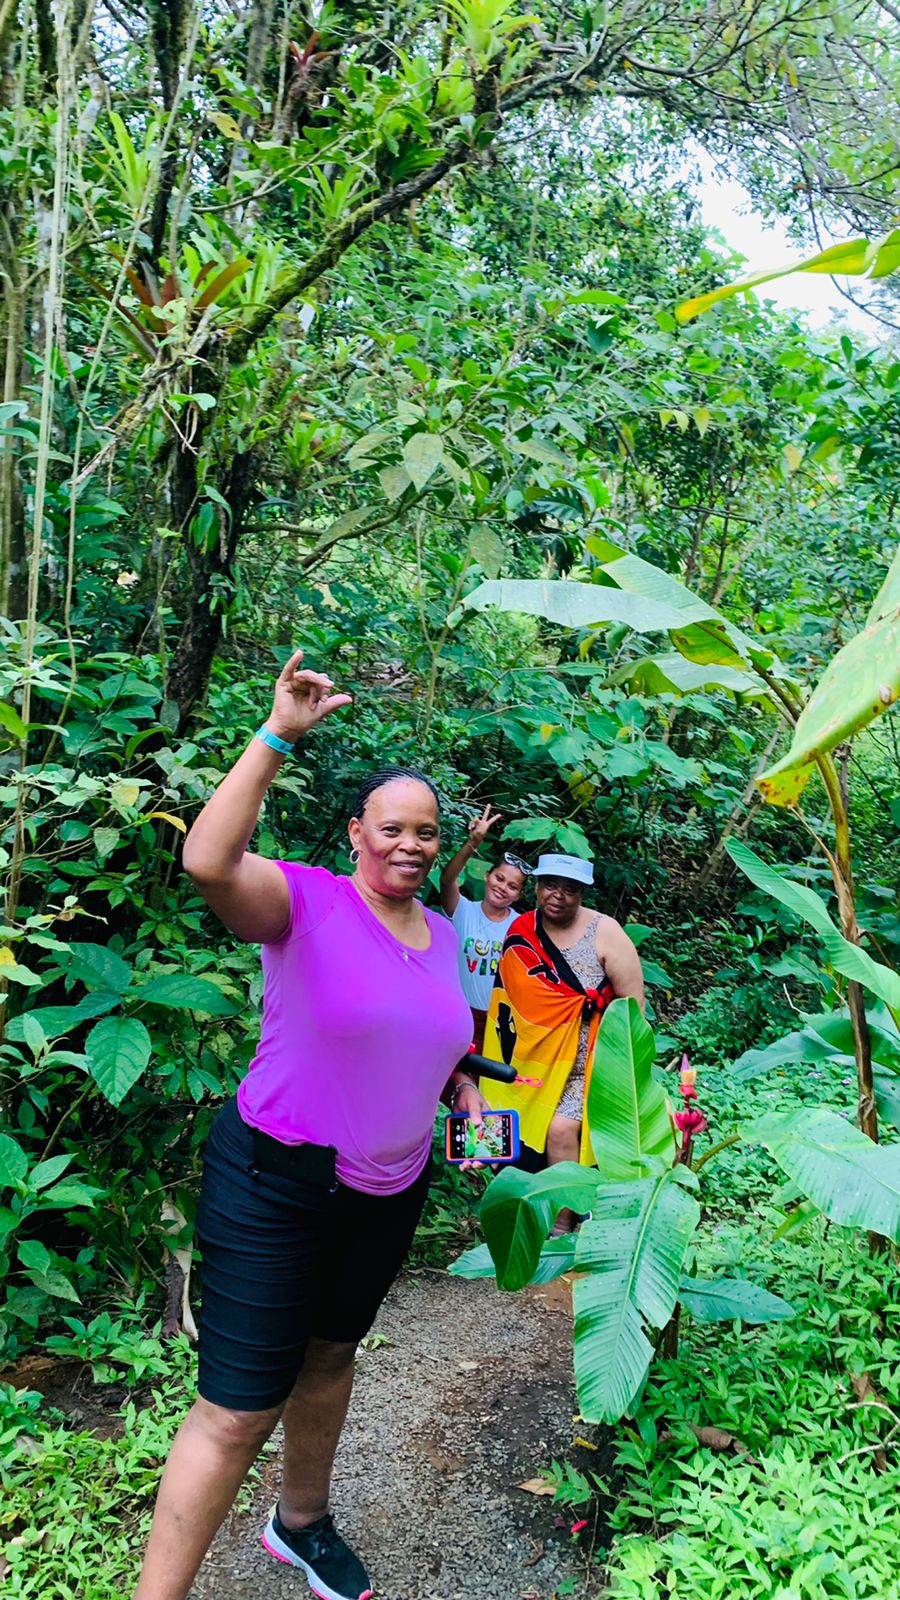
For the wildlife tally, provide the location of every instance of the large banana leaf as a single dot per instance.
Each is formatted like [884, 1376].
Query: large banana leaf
[579, 605]
[556, 1257]
[519, 1209]
[835, 1029]
[825, 1035]
[626, 1107]
[640, 595]
[628, 1262]
[797, 897]
[801, 1045]
[676, 674]
[730, 1299]
[852, 259]
[701, 635]
[829, 1037]
[852, 1180]
[848, 959]
[852, 962]
[858, 685]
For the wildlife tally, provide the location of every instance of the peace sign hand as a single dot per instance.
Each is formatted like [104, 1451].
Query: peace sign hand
[479, 826]
[301, 700]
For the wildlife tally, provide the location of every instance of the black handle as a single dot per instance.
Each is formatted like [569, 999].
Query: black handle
[483, 1068]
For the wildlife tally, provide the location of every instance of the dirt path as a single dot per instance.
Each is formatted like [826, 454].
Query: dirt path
[471, 1394]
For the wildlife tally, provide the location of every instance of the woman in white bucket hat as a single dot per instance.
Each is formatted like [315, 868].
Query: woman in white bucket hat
[561, 966]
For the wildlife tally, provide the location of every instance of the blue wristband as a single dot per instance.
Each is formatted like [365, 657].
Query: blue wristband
[273, 741]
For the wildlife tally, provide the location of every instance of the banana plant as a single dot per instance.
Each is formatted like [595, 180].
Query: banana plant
[629, 1258]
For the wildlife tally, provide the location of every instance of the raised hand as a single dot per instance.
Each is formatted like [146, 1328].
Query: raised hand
[301, 700]
[478, 827]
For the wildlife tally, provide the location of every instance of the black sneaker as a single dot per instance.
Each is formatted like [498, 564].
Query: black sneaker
[334, 1572]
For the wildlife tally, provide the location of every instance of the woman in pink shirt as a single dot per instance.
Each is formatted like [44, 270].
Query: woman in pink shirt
[315, 1174]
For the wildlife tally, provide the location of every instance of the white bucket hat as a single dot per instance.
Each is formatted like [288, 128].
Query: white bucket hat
[574, 867]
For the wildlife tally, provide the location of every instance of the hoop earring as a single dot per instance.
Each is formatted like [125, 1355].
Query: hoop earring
[354, 857]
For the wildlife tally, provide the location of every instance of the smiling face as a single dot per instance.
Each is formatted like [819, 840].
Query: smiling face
[559, 900]
[502, 887]
[397, 837]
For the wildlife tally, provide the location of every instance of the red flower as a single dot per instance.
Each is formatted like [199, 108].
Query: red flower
[690, 1122]
[578, 1526]
[688, 1092]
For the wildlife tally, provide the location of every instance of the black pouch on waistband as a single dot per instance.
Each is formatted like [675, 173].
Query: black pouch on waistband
[306, 1163]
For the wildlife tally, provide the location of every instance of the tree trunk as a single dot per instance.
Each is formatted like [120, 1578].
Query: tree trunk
[13, 566]
[842, 873]
[169, 26]
[209, 569]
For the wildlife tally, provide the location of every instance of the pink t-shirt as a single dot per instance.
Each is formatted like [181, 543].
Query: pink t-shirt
[359, 1034]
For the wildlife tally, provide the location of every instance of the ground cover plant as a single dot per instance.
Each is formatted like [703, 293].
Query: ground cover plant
[761, 1460]
[316, 327]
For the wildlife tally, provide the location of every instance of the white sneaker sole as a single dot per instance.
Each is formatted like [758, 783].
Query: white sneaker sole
[283, 1552]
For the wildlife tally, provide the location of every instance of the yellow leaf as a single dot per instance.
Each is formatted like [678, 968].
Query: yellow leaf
[585, 1443]
[124, 794]
[166, 816]
[682, 419]
[702, 420]
[536, 1486]
[547, 731]
[793, 455]
[225, 124]
[664, 418]
[7, 959]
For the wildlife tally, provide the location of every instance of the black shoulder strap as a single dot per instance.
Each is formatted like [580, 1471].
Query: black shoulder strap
[566, 972]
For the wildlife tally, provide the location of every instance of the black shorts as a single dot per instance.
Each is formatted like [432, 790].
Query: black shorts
[283, 1260]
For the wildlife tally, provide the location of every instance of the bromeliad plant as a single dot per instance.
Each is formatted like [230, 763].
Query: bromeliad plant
[630, 1259]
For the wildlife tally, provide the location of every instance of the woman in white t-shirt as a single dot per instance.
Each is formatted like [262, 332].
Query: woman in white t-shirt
[481, 927]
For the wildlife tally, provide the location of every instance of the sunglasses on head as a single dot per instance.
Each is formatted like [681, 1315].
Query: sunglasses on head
[517, 862]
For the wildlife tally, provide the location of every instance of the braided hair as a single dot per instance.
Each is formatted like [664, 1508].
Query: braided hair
[377, 780]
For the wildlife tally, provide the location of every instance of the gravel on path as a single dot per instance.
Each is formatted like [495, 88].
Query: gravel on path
[471, 1394]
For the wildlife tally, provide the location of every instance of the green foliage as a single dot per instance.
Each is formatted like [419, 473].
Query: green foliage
[114, 1348]
[280, 406]
[625, 1103]
[629, 1257]
[95, 1493]
[731, 1300]
[850, 1179]
[629, 1260]
[858, 685]
[32, 1275]
[812, 1476]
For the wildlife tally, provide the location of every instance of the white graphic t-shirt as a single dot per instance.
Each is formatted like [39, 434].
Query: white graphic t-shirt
[480, 942]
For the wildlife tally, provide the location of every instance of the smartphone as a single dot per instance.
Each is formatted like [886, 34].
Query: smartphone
[496, 1140]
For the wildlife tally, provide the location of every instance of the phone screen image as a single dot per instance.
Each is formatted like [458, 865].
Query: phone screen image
[496, 1140]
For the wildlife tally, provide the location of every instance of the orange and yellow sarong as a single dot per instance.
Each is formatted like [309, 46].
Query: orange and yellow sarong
[538, 1006]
